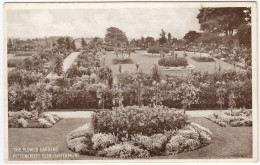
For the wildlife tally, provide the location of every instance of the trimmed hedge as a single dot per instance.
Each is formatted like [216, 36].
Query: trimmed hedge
[156, 49]
[203, 59]
[133, 120]
[122, 61]
[172, 62]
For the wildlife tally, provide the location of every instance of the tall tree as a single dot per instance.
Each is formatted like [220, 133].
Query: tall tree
[192, 36]
[225, 20]
[115, 36]
[163, 39]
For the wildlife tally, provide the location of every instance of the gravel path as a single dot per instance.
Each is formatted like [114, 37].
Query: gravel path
[66, 63]
[87, 114]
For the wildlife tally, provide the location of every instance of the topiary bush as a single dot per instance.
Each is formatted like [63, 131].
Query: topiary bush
[133, 120]
[173, 62]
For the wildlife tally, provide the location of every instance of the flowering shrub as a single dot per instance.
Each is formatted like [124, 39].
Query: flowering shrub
[124, 121]
[122, 61]
[79, 140]
[27, 119]
[101, 141]
[188, 139]
[238, 118]
[203, 59]
[138, 132]
[124, 150]
[172, 62]
[155, 144]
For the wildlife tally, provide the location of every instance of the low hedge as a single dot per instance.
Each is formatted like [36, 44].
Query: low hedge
[122, 61]
[156, 49]
[173, 62]
[132, 120]
[203, 59]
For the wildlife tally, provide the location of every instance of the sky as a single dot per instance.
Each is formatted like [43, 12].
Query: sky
[94, 22]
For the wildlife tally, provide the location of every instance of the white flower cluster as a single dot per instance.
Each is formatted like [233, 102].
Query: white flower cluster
[101, 141]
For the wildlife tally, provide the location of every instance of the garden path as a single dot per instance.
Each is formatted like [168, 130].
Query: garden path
[87, 114]
[66, 63]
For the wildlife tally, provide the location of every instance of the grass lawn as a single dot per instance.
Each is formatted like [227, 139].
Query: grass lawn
[229, 142]
[146, 63]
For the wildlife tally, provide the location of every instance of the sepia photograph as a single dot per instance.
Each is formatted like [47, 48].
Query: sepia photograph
[142, 81]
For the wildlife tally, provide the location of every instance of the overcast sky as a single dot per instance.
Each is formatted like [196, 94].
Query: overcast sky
[94, 22]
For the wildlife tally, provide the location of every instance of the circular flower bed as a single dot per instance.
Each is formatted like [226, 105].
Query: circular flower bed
[138, 132]
[26, 119]
[238, 118]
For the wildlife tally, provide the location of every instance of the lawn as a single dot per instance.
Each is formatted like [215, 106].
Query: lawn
[229, 142]
[146, 63]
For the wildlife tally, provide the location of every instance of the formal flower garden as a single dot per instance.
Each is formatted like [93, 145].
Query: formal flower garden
[138, 132]
[139, 94]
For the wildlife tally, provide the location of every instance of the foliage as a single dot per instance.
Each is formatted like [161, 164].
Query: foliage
[115, 36]
[101, 141]
[188, 139]
[163, 38]
[223, 20]
[203, 59]
[192, 36]
[122, 61]
[173, 62]
[79, 140]
[237, 118]
[157, 49]
[124, 150]
[58, 65]
[133, 120]
[26, 119]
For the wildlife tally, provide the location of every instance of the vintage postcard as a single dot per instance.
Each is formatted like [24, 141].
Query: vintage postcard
[131, 82]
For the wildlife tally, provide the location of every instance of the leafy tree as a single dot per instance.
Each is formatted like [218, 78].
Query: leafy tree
[68, 43]
[192, 36]
[58, 64]
[163, 39]
[244, 34]
[223, 20]
[149, 41]
[115, 36]
[61, 41]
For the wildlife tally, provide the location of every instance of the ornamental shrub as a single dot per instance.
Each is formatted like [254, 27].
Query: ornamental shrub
[155, 144]
[101, 141]
[132, 120]
[124, 150]
[122, 61]
[157, 48]
[173, 62]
